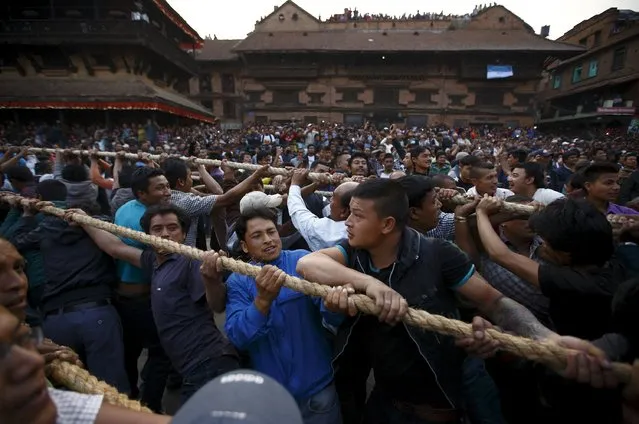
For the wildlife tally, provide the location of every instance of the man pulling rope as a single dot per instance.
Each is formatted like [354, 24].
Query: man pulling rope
[549, 354]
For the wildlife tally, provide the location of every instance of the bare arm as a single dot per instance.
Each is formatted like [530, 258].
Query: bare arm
[328, 266]
[215, 293]
[520, 265]
[117, 167]
[8, 162]
[502, 311]
[110, 414]
[235, 194]
[212, 186]
[113, 246]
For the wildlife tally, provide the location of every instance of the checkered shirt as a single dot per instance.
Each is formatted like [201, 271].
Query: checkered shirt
[516, 288]
[75, 408]
[195, 207]
[445, 229]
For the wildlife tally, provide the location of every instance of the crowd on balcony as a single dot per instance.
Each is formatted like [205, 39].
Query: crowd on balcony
[564, 277]
[350, 15]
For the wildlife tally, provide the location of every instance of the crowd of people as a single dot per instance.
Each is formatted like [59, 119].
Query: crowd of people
[393, 229]
[354, 15]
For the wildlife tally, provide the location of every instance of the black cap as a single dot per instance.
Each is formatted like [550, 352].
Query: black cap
[240, 397]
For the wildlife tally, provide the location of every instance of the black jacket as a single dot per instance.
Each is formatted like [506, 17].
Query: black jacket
[629, 188]
[418, 278]
[76, 270]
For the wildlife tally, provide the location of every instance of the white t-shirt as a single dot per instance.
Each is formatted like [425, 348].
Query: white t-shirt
[546, 196]
[501, 193]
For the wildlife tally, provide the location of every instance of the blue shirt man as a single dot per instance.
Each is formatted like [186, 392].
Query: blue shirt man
[129, 215]
[283, 331]
[290, 344]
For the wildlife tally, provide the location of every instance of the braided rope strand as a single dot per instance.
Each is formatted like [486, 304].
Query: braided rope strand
[313, 176]
[543, 352]
[79, 380]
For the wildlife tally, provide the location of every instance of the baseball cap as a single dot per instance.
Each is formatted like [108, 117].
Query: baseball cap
[240, 397]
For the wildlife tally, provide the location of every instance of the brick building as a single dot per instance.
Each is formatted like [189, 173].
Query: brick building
[67, 59]
[413, 72]
[599, 87]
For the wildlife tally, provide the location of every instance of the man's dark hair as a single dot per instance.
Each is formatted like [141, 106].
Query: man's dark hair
[597, 169]
[140, 178]
[534, 170]
[389, 199]
[125, 175]
[388, 156]
[75, 173]
[520, 154]
[52, 190]
[356, 155]
[571, 152]
[440, 153]
[242, 222]
[476, 170]
[576, 181]
[261, 155]
[19, 173]
[418, 150]
[416, 188]
[164, 209]
[470, 160]
[174, 169]
[574, 226]
[440, 180]
[317, 163]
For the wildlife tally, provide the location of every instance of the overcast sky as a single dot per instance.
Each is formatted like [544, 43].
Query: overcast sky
[234, 19]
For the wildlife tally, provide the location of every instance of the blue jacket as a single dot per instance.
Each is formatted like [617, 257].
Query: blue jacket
[289, 344]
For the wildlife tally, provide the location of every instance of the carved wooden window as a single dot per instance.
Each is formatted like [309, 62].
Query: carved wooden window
[205, 83]
[228, 83]
[315, 98]
[489, 97]
[424, 97]
[254, 96]
[524, 99]
[285, 97]
[353, 119]
[310, 119]
[419, 121]
[228, 109]
[386, 96]
[350, 96]
[457, 99]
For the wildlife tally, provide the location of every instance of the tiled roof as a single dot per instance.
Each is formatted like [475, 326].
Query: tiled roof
[91, 90]
[395, 40]
[218, 50]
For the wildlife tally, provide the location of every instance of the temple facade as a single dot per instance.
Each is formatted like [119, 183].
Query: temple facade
[71, 58]
[480, 69]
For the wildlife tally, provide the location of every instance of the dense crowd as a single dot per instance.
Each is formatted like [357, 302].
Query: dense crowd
[564, 275]
[353, 15]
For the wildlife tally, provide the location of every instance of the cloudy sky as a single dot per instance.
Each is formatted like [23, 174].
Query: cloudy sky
[234, 19]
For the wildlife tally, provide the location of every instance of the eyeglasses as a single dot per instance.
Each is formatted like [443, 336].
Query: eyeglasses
[27, 340]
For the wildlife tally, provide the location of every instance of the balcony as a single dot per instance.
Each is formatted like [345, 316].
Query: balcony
[56, 32]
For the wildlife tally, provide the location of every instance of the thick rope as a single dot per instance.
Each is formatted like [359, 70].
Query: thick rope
[79, 380]
[313, 176]
[544, 352]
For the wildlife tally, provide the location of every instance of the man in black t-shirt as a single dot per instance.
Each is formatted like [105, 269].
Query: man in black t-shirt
[579, 279]
[418, 372]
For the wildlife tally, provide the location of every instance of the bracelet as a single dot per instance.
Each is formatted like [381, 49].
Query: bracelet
[460, 218]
